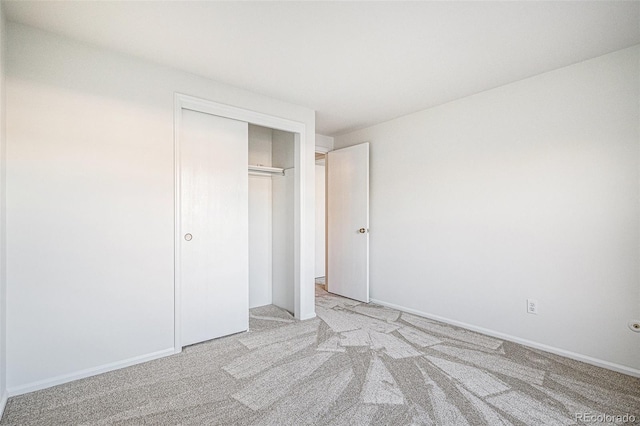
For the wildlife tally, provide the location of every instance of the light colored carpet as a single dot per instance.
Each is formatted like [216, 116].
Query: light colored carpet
[355, 364]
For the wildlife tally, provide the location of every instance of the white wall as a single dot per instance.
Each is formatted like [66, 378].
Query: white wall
[259, 145]
[90, 205]
[324, 143]
[529, 190]
[260, 217]
[320, 220]
[3, 263]
[283, 291]
[283, 149]
[283, 155]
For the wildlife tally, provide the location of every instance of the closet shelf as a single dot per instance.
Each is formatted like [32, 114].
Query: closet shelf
[264, 170]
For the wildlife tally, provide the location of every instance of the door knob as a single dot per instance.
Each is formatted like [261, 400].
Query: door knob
[362, 230]
[188, 237]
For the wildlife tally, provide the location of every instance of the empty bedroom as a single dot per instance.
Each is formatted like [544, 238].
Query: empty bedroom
[323, 213]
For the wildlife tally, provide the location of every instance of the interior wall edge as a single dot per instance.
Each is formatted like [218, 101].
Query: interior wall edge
[308, 316]
[3, 402]
[82, 374]
[3, 210]
[514, 339]
[324, 143]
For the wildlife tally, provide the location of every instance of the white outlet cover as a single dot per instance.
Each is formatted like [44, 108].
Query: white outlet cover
[634, 325]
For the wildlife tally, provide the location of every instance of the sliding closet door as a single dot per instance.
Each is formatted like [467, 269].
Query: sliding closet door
[214, 226]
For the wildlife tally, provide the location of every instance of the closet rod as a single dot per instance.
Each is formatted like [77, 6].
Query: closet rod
[264, 170]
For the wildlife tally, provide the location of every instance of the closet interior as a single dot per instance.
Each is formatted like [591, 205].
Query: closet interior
[271, 217]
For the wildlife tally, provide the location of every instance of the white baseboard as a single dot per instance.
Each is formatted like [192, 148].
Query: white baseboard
[568, 354]
[308, 317]
[3, 402]
[47, 383]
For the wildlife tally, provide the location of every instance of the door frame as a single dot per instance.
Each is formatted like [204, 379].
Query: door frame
[324, 151]
[301, 239]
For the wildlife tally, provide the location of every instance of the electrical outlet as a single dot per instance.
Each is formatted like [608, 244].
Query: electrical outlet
[532, 306]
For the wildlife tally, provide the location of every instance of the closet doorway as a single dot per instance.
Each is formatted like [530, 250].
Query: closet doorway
[271, 233]
[221, 268]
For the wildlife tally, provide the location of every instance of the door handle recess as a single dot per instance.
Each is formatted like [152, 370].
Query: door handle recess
[188, 237]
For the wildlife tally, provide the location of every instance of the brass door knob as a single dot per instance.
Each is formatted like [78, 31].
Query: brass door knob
[362, 230]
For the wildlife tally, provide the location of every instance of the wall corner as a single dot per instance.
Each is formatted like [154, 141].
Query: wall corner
[3, 263]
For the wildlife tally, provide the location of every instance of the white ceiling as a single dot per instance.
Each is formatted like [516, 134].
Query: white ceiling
[355, 63]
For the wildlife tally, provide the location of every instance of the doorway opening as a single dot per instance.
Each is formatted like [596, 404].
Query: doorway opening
[271, 211]
[320, 272]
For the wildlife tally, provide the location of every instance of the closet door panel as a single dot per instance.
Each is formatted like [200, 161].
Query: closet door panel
[214, 226]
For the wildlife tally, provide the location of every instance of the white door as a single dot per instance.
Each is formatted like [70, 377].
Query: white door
[214, 262]
[347, 172]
